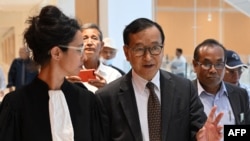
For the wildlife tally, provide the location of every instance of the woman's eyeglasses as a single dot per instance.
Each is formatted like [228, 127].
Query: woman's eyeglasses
[79, 49]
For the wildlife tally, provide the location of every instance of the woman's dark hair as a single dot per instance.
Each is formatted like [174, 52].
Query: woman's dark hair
[138, 25]
[208, 42]
[50, 28]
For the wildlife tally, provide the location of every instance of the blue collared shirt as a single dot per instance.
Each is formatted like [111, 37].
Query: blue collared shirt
[220, 99]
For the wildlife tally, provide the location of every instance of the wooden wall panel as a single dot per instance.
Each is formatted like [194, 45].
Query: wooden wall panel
[188, 3]
[237, 32]
[230, 27]
[206, 29]
[178, 29]
[87, 10]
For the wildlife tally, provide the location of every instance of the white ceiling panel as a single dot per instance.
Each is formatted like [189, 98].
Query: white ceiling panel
[241, 5]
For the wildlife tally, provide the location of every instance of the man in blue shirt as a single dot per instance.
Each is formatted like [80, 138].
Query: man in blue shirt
[209, 65]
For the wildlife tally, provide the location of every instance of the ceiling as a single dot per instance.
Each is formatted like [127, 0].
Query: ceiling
[241, 5]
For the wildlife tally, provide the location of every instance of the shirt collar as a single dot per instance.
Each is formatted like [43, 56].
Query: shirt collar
[222, 90]
[99, 69]
[142, 82]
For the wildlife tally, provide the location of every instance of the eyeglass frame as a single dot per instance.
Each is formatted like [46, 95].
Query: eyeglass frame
[209, 65]
[147, 49]
[80, 48]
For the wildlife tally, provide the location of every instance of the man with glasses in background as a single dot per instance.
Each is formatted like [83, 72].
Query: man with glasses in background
[209, 65]
[234, 69]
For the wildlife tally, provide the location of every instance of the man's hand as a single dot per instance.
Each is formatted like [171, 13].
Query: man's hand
[211, 131]
[73, 79]
[99, 82]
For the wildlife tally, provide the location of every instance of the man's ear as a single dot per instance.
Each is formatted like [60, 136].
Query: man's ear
[102, 43]
[125, 50]
[194, 65]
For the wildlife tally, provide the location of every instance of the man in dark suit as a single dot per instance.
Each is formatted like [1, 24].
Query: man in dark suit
[209, 65]
[124, 106]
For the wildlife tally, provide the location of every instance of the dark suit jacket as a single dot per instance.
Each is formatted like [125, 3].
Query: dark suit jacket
[121, 71]
[182, 110]
[238, 99]
[16, 72]
[24, 113]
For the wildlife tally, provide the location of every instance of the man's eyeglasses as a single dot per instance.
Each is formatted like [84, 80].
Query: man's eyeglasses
[139, 51]
[79, 49]
[207, 66]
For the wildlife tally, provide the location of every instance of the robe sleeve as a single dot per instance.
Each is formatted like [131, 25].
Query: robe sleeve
[9, 125]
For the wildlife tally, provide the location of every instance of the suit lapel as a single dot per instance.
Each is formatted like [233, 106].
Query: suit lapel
[167, 94]
[128, 104]
[232, 99]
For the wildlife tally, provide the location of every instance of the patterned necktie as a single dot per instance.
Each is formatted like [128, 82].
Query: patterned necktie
[154, 114]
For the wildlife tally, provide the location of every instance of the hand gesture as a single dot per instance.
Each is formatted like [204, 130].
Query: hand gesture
[211, 131]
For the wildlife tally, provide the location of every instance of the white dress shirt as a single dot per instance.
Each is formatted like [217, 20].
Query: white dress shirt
[141, 96]
[107, 72]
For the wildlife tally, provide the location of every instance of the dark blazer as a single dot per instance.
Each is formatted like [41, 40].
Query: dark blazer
[16, 72]
[182, 110]
[121, 71]
[24, 113]
[238, 99]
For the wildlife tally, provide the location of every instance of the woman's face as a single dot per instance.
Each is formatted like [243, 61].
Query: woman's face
[71, 62]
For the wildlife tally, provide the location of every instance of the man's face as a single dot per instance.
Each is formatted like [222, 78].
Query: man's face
[23, 53]
[177, 53]
[108, 53]
[71, 61]
[210, 77]
[92, 43]
[233, 75]
[145, 65]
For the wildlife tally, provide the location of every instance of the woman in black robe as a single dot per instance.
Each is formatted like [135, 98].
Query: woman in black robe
[51, 108]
